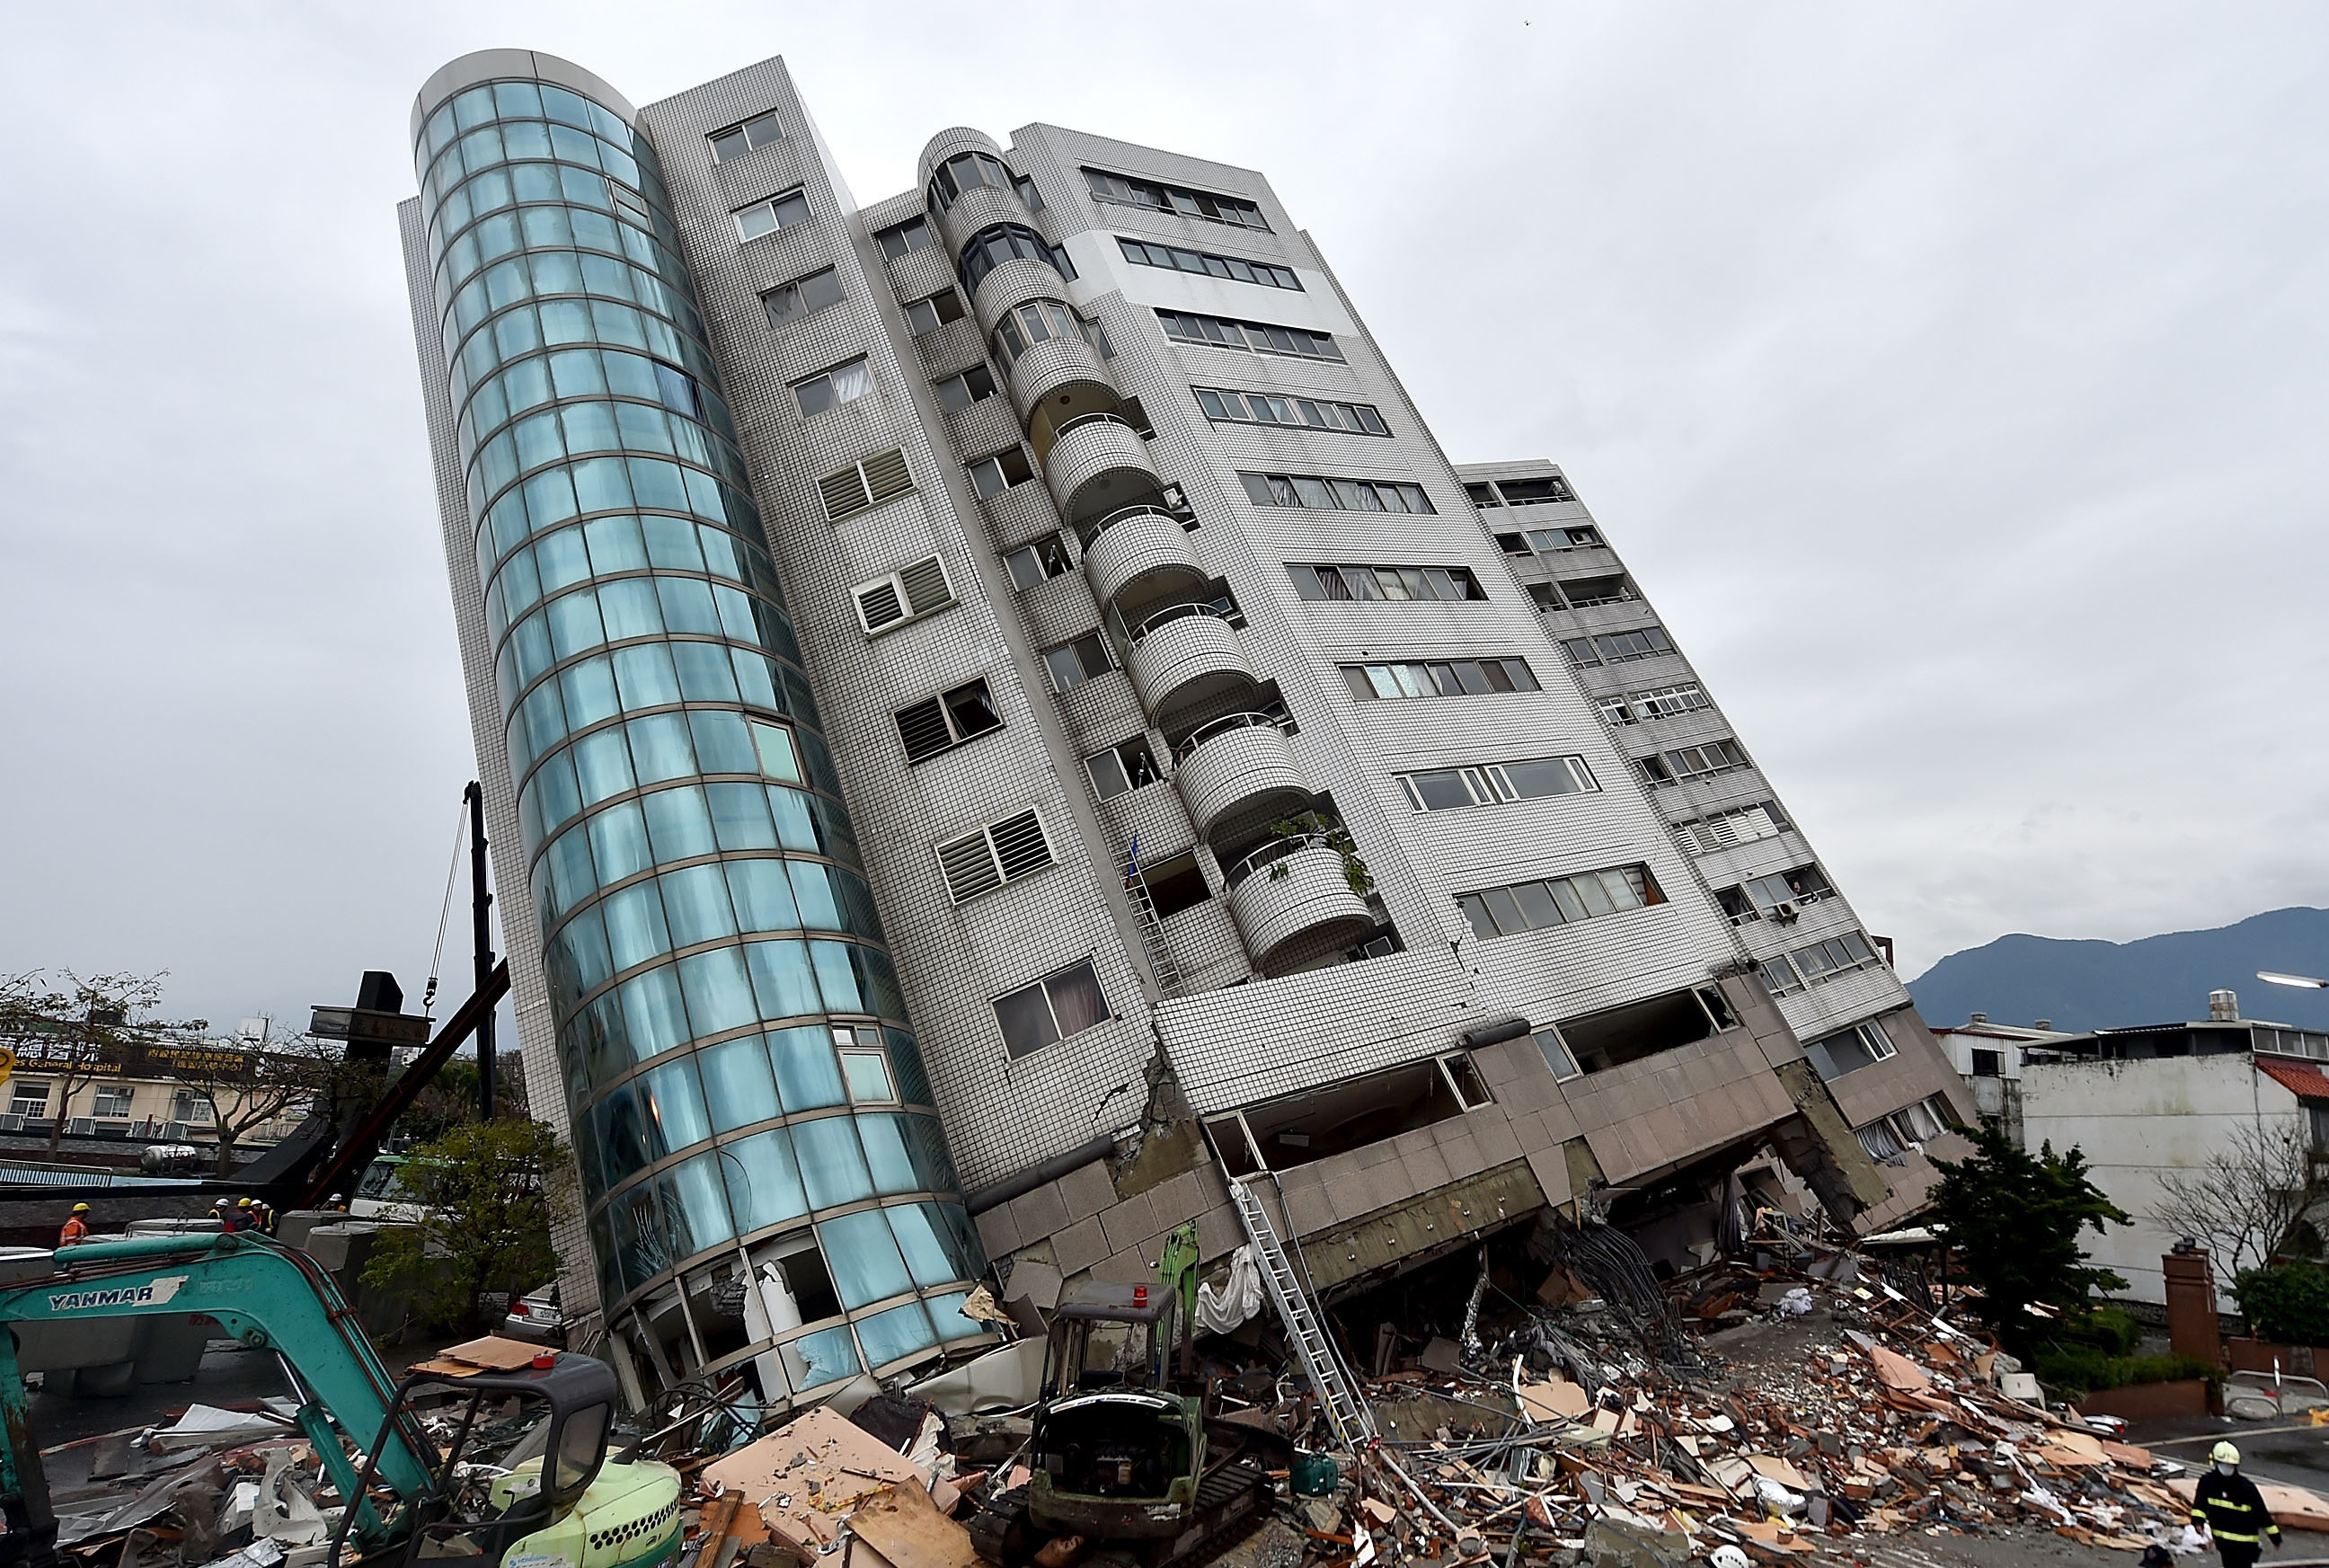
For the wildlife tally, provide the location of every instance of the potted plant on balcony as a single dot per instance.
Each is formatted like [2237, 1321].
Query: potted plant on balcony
[1324, 829]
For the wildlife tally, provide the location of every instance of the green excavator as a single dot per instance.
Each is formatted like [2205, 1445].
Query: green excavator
[550, 1498]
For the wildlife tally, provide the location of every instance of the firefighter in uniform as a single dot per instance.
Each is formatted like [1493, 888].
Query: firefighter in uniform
[76, 1228]
[2228, 1506]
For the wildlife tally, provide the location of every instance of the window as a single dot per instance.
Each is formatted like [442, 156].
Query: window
[1060, 1004]
[1122, 768]
[1879, 1141]
[1722, 830]
[1174, 885]
[1618, 648]
[112, 1102]
[1775, 897]
[1247, 337]
[993, 475]
[1547, 540]
[991, 248]
[1253, 408]
[865, 484]
[1924, 1121]
[1988, 1064]
[1810, 966]
[1323, 495]
[1693, 762]
[903, 239]
[1453, 788]
[911, 590]
[1527, 906]
[950, 718]
[29, 1099]
[966, 172]
[1040, 321]
[1028, 192]
[864, 1069]
[1850, 1050]
[1005, 851]
[750, 137]
[1072, 664]
[1521, 492]
[958, 393]
[1232, 210]
[1666, 701]
[1410, 582]
[1174, 259]
[1486, 496]
[802, 297]
[1585, 592]
[1557, 1054]
[1036, 561]
[930, 315]
[843, 384]
[776, 213]
[188, 1106]
[1439, 678]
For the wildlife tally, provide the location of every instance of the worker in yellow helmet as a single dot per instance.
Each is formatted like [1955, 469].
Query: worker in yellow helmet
[76, 1228]
[2228, 1506]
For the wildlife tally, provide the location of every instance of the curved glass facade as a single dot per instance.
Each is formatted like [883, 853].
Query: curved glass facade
[766, 1178]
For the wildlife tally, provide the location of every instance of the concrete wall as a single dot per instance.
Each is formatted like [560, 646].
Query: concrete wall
[2137, 1121]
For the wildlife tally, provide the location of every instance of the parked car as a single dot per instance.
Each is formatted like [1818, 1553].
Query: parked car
[382, 1193]
[535, 1317]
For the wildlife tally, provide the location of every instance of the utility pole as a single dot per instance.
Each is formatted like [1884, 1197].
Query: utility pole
[482, 935]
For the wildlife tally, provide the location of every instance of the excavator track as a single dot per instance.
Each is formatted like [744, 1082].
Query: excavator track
[1232, 1500]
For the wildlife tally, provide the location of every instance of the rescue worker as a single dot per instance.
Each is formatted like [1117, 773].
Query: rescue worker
[76, 1228]
[262, 1216]
[2228, 1506]
[230, 1218]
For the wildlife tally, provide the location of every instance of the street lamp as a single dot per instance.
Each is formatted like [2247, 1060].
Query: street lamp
[2302, 982]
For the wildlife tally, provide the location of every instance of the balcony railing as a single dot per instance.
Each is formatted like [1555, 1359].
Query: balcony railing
[1173, 612]
[1089, 531]
[1281, 723]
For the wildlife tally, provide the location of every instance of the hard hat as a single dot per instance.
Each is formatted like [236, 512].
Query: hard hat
[242, 1203]
[80, 1208]
[1729, 1557]
[2224, 1454]
[223, 1204]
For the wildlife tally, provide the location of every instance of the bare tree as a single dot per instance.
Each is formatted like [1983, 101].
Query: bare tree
[78, 1032]
[2244, 1199]
[248, 1084]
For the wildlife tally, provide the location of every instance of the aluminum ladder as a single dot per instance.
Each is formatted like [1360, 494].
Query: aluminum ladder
[1169, 978]
[1347, 1411]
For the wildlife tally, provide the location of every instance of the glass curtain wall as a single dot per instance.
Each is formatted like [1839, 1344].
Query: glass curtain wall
[767, 1183]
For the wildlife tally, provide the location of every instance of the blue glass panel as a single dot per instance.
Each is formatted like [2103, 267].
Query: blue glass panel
[822, 1356]
[606, 276]
[763, 1183]
[672, 543]
[885, 1154]
[926, 1146]
[621, 1133]
[584, 188]
[530, 644]
[705, 675]
[740, 818]
[545, 721]
[643, 672]
[571, 876]
[906, 1068]
[795, 823]
[764, 900]
[589, 689]
[566, 108]
[755, 680]
[618, 842]
[516, 101]
[923, 1240]
[506, 283]
[737, 1083]
[498, 464]
[779, 758]
[575, 373]
[634, 925]
[658, 483]
[585, 943]
[556, 796]
[596, 231]
[606, 1044]
[898, 1332]
[840, 840]
[611, 1272]
[818, 911]
[673, 1100]
[736, 617]
[574, 626]
[603, 765]
[878, 982]
[555, 273]
[782, 981]
[631, 609]
[516, 333]
[719, 996]
[639, 1241]
[947, 1315]
[679, 823]
[589, 426]
[521, 583]
[857, 911]
[687, 605]
[659, 748]
[600, 485]
[549, 499]
[537, 182]
[560, 559]
[695, 906]
[722, 744]
[837, 978]
[615, 544]
[566, 321]
[695, 1205]
[620, 324]
[572, 148]
[506, 521]
[859, 1252]
[653, 1017]
[631, 376]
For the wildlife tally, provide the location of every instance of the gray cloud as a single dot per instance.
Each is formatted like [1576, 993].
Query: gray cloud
[1951, 380]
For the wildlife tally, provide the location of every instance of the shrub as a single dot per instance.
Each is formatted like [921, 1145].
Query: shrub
[2287, 1304]
[2072, 1370]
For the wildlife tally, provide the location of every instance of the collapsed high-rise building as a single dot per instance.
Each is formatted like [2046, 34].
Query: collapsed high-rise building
[999, 720]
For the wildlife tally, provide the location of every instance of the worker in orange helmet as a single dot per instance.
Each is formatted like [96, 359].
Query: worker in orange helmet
[76, 1227]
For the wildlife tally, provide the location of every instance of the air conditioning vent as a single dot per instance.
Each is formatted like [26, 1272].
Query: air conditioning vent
[911, 590]
[886, 475]
[878, 607]
[926, 585]
[844, 493]
[923, 729]
[1004, 851]
[866, 484]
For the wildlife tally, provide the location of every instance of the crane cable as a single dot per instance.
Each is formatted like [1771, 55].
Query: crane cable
[445, 912]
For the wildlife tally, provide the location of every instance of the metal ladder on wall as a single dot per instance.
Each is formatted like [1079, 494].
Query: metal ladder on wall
[1347, 1411]
[1169, 978]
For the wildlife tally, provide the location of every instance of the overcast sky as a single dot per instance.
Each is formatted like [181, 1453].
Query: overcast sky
[1952, 378]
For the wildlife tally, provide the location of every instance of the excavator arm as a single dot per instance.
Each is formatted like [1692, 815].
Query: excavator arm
[267, 1297]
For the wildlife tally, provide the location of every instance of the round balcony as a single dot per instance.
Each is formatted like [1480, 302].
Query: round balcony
[1098, 463]
[1295, 889]
[1061, 378]
[981, 207]
[1138, 554]
[1011, 283]
[954, 139]
[1239, 765]
[1184, 652]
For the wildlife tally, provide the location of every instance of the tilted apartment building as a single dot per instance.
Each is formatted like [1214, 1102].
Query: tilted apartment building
[1010, 657]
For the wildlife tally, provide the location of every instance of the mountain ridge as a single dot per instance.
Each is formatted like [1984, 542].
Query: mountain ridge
[2088, 983]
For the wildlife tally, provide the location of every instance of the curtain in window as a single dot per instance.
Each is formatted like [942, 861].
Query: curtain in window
[1076, 1000]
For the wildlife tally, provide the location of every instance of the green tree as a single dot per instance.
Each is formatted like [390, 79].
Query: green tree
[487, 1190]
[2013, 1221]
